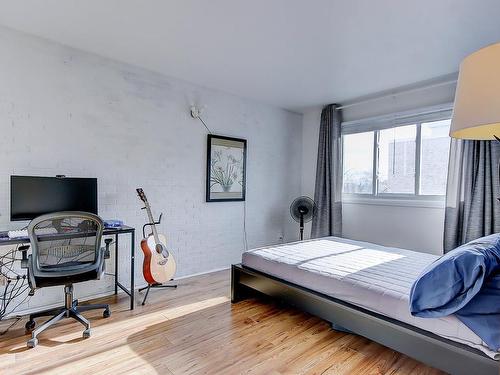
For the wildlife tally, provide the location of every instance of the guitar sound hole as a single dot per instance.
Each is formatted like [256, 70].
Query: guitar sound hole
[160, 249]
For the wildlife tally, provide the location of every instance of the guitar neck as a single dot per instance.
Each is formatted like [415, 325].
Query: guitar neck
[153, 225]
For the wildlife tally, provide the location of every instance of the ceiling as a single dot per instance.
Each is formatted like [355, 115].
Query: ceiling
[289, 53]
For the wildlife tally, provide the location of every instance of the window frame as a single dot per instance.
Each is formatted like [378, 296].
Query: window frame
[375, 125]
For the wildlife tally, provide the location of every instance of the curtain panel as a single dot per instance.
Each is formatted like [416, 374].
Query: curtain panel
[328, 188]
[472, 208]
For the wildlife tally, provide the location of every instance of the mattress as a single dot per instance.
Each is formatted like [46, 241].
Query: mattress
[374, 277]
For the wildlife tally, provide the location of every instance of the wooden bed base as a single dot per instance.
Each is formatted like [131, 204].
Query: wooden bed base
[421, 345]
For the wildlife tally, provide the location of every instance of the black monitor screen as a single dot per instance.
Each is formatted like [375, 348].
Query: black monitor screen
[34, 196]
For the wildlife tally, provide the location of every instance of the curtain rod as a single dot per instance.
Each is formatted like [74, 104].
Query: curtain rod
[444, 83]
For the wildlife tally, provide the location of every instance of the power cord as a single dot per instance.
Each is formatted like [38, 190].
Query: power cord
[245, 241]
[18, 318]
[203, 122]
[16, 284]
[196, 114]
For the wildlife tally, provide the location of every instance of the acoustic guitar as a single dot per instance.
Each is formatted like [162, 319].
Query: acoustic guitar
[159, 264]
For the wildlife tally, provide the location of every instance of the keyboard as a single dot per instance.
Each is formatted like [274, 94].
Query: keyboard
[23, 233]
[18, 233]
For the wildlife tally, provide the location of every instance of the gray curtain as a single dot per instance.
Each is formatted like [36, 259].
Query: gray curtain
[328, 189]
[472, 208]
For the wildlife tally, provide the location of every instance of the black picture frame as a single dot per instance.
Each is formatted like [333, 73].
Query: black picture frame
[217, 191]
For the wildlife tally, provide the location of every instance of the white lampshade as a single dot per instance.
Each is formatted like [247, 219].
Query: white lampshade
[476, 113]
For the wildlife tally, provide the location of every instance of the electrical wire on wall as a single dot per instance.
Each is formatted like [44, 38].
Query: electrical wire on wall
[203, 122]
[196, 114]
[245, 241]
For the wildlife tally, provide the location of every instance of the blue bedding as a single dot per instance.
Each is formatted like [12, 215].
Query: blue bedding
[464, 282]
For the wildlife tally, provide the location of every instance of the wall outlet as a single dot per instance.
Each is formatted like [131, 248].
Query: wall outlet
[281, 239]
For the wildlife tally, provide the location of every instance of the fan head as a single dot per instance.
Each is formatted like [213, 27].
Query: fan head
[303, 206]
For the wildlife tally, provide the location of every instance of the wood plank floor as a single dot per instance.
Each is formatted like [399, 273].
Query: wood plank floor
[196, 330]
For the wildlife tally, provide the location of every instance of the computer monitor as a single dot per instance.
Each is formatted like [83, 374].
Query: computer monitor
[32, 196]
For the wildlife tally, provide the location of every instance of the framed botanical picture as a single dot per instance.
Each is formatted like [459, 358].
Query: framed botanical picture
[226, 168]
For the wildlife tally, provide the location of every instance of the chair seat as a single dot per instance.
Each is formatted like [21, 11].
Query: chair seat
[45, 281]
[67, 265]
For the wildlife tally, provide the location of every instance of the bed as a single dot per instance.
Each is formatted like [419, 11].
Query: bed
[364, 288]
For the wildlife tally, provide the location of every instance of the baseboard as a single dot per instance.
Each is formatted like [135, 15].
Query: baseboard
[203, 273]
[103, 294]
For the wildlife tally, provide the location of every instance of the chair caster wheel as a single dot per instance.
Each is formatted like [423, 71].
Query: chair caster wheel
[30, 325]
[32, 343]
[86, 333]
[106, 313]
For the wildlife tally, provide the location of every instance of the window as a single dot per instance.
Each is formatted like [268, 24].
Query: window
[434, 160]
[407, 161]
[396, 163]
[358, 163]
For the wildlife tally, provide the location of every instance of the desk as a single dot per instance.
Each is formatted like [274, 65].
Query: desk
[116, 232]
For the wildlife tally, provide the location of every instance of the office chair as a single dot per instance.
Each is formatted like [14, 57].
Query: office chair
[71, 253]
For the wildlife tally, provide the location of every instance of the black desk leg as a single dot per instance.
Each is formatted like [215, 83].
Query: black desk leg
[132, 269]
[116, 263]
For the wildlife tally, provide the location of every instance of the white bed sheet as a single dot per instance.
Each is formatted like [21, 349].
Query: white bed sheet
[371, 276]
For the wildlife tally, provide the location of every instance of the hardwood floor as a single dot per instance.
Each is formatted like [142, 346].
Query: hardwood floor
[196, 330]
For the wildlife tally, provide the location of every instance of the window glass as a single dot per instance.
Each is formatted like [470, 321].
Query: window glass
[435, 150]
[397, 160]
[358, 163]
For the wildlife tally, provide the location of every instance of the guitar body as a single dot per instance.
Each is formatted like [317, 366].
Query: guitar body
[157, 268]
[159, 264]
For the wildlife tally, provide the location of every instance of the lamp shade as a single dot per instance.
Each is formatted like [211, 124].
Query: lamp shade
[476, 113]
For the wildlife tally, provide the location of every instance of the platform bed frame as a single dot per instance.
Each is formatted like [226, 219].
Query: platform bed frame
[421, 345]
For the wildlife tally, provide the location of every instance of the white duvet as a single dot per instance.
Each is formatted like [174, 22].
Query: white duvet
[375, 277]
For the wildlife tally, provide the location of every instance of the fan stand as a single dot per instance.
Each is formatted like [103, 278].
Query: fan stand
[302, 211]
[147, 288]
[301, 226]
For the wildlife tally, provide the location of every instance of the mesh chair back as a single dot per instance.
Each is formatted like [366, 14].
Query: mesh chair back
[65, 243]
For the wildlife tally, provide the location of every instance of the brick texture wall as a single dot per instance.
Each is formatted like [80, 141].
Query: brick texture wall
[63, 111]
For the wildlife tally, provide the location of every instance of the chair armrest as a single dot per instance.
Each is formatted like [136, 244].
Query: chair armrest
[103, 255]
[107, 254]
[31, 278]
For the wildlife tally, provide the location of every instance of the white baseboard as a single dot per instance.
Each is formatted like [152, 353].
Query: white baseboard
[203, 273]
[103, 294]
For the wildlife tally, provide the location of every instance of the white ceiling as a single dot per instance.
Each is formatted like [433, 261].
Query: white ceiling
[289, 53]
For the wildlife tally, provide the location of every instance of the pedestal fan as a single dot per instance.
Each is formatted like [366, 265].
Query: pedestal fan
[302, 210]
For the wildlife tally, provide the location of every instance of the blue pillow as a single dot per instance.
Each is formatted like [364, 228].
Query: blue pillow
[482, 313]
[449, 283]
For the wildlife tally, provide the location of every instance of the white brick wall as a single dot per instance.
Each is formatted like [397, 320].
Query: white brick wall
[63, 111]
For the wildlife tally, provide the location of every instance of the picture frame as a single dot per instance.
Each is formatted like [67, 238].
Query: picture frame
[226, 169]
